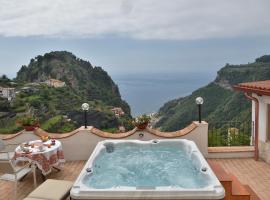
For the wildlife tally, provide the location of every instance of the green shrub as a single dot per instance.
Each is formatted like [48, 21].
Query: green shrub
[58, 124]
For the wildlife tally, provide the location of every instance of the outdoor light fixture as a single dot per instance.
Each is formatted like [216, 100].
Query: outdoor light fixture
[85, 108]
[199, 102]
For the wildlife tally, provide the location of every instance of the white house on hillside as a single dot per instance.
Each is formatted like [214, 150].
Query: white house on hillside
[117, 111]
[55, 83]
[8, 93]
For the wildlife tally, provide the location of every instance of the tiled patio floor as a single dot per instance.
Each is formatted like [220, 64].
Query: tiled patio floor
[255, 174]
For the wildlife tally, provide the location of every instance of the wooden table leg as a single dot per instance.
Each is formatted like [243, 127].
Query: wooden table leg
[34, 174]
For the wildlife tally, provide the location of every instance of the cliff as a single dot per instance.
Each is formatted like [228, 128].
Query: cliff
[221, 102]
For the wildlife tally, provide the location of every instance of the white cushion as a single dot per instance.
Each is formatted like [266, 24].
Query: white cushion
[52, 190]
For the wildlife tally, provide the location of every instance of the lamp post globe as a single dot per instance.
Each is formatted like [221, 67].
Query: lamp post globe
[85, 108]
[199, 102]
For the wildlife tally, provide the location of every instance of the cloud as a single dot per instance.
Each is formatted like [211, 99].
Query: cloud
[139, 19]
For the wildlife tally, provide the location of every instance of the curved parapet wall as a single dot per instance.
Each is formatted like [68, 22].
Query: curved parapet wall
[174, 134]
[10, 136]
[39, 132]
[79, 144]
[156, 132]
[104, 134]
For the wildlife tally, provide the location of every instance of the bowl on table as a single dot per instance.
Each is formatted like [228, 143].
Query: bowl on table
[25, 149]
[41, 148]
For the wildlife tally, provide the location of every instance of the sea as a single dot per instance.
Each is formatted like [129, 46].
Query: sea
[147, 92]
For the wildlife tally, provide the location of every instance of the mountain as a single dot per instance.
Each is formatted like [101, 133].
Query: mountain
[59, 108]
[90, 82]
[221, 102]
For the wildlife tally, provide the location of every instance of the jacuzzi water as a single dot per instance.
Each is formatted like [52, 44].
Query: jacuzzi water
[145, 166]
[155, 169]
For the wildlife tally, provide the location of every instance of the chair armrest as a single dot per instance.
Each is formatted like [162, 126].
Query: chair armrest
[7, 154]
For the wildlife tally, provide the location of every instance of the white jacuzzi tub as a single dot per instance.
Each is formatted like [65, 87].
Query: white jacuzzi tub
[155, 169]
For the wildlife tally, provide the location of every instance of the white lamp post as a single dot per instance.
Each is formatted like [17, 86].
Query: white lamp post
[85, 108]
[199, 102]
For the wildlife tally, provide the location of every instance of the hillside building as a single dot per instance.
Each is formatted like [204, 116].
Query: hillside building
[8, 93]
[117, 111]
[55, 83]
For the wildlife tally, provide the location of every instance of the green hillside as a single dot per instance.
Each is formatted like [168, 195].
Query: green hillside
[59, 109]
[80, 76]
[221, 102]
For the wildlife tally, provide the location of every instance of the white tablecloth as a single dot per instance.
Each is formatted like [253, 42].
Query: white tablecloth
[45, 159]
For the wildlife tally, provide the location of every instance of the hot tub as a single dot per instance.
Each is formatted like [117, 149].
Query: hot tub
[155, 169]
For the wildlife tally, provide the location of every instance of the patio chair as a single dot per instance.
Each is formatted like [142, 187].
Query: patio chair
[9, 170]
[4, 153]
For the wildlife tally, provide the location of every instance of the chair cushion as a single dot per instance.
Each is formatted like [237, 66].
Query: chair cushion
[52, 190]
[4, 156]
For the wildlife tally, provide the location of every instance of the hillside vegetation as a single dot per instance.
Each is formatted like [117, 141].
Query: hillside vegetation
[221, 102]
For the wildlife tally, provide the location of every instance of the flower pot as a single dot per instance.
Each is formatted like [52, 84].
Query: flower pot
[142, 126]
[29, 128]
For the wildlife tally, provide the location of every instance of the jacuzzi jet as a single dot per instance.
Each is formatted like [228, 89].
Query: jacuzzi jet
[89, 170]
[109, 147]
[155, 141]
[204, 169]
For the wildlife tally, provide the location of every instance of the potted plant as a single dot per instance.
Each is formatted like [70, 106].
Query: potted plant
[141, 122]
[28, 122]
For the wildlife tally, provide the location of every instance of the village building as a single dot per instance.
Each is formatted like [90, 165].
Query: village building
[29, 90]
[55, 83]
[117, 111]
[121, 129]
[8, 93]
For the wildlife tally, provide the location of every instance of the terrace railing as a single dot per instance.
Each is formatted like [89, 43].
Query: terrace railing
[230, 133]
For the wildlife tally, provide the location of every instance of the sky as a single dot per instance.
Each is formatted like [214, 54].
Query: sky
[136, 36]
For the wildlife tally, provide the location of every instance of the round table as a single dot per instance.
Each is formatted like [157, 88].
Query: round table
[46, 159]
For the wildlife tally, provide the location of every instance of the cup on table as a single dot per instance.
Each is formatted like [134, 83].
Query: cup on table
[22, 146]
